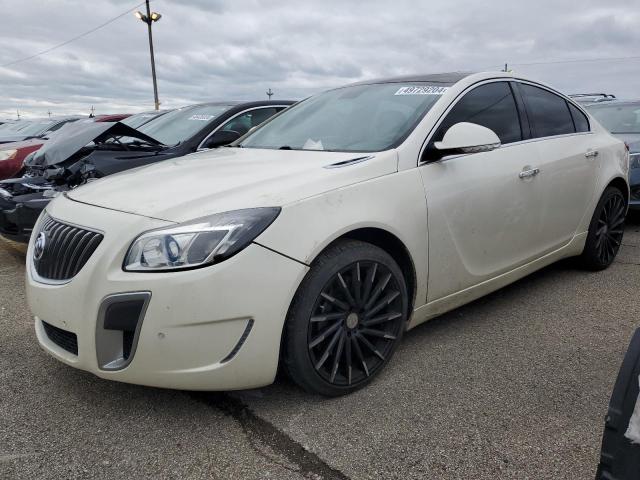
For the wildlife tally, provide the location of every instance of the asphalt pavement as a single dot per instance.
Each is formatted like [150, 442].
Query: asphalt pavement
[513, 386]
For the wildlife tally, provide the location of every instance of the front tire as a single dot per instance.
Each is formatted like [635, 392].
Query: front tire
[346, 319]
[605, 231]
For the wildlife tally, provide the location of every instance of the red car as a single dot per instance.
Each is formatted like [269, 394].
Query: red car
[12, 154]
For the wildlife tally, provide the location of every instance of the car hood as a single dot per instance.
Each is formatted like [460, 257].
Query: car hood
[73, 137]
[226, 179]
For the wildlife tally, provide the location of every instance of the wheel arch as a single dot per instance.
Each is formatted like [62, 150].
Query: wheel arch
[391, 244]
[621, 184]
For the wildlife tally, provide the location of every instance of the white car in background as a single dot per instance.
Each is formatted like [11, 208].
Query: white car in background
[318, 239]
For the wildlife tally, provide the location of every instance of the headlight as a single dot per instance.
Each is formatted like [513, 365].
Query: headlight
[7, 154]
[198, 243]
[634, 160]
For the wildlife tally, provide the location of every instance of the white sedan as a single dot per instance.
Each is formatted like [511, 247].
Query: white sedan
[315, 241]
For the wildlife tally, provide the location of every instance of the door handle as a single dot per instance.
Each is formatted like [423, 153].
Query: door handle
[531, 172]
[591, 153]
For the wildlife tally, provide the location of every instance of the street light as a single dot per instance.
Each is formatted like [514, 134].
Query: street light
[149, 18]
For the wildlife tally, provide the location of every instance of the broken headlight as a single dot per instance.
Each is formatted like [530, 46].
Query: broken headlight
[8, 154]
[198, 243]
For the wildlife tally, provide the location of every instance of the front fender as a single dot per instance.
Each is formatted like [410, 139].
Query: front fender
[395, 203]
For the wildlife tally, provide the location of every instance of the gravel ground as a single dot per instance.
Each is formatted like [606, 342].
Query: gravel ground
[514, 385]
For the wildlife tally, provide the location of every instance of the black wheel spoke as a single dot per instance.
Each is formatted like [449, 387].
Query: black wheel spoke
[357, 283]
[347, 356]
[368, 282]
[383, 303]
[336, 360]
[370, 346]
[381, 319]
[356, 347]
[320, 338]
[338, 303]
[329, 348]
[345, 290]
[382, 284]
[327, 317]
[377, 333]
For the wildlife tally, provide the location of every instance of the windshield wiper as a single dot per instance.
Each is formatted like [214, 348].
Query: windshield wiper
[285, 147]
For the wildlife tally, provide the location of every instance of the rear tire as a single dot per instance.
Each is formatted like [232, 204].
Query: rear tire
[605, 231]
[346, 319]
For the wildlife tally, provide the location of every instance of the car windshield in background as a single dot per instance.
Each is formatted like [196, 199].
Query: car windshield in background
[360, 118]
[181, 124]
[135, 121]
[618, 118]
[36, 127]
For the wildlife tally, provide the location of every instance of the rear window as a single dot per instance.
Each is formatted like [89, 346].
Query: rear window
[548, 112]
[579, 119]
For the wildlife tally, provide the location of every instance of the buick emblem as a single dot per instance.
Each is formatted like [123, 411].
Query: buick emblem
[39, 246]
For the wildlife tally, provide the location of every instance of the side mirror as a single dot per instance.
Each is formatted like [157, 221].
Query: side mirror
[467, 137]
[220, 138]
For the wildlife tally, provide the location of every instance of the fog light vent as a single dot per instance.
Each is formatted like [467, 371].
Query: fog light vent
[119, 322]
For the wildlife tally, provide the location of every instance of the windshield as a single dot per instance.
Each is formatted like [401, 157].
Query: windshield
[181, 124]
[35, 128]
[361, 118]
[134, 121]
[618, 118]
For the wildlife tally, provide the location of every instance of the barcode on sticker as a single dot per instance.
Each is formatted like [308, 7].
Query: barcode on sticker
[204, 118]
[422, 90]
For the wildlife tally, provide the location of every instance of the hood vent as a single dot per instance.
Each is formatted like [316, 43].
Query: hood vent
[346, 163]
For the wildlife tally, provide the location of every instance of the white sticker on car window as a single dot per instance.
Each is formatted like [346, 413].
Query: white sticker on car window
[422, 90]
[202, 118]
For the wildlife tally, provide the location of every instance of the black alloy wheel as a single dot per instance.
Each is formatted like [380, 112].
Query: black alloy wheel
[605, 231]
[347, 318]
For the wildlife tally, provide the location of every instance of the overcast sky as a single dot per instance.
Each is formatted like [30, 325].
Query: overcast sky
[236, 50]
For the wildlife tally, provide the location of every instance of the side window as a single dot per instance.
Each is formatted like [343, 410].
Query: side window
[491, 105]
[579, 119]
[548, 112]
[245, 122]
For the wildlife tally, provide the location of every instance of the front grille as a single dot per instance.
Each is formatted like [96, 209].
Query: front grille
[65, 340]
[61, 250]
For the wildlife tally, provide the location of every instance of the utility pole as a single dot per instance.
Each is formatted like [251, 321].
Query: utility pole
[92, 110]
[149, 18]
[49, 113]
[18, 113]
[505, 68]
[269, 93]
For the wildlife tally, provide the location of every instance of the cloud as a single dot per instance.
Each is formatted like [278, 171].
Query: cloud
[223, 49]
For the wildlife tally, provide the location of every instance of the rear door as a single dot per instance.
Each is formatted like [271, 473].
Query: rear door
[568, 163]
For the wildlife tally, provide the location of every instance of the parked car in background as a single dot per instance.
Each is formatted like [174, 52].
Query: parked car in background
[12, 155]
[90, 152]
[139, 119]
[589, 98]
[622, 119]
[315, 241]
[35, 128]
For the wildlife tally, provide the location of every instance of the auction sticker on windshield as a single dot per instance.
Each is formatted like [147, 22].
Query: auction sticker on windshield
[203, 118]
[422, 90]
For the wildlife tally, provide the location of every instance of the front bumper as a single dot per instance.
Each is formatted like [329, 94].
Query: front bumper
[19, 214]
[193, 334]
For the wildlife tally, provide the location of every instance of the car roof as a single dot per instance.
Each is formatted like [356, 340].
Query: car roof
[253, 103]
[445, 78]
[613, 103]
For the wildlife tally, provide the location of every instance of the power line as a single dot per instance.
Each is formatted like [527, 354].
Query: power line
[20, 60]
[574, 60]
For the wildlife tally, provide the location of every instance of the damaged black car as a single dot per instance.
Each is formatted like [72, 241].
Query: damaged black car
[87, 152]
